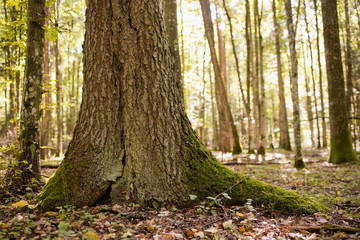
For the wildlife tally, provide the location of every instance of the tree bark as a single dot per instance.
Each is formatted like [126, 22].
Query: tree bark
[283, 120]
[299, 163]
[341, 149]
[323, 122]
[133, 141]
[171, 27]
[59, 120]
[45, 128]
[31, 104]
[312, 77]
[227, 128]
[348, 63]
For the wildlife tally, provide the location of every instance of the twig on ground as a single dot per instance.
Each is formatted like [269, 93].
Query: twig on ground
[326, 226]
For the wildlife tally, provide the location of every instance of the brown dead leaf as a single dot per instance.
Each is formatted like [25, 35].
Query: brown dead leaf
[4, 226]
[339, 235]
[150, 228]
[189, 233]
[166, 236]
[241, 229]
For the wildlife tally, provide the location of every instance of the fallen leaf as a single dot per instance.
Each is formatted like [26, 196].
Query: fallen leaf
[189, 233]
[51, 213]
[339, 235]
[241, 229]
[212, 230]
[150, 228]
[3, 226]
[228, 224]
[312, 237]
[199, 234]
[239, 214]
[166, 236]
[20, 204]
[91, 236]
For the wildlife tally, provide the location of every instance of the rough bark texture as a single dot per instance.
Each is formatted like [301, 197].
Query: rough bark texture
[341, 149]
[283, 120]
[227, 128]
[294, 86]
[323, 122]
[133, 140]
[31, 110]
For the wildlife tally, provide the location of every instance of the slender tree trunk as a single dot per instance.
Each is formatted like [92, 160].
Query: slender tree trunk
[133, 141]
[45, 128]
[222, 48]
[348, 63]
[283, 120]
[309, 104]
[294, 86]
[59, 120]
[29, 161]
[203, 100]
[313, 78]
[323, 122]
[249, 72]
[341, 149]
[215, 141]
[227, 128]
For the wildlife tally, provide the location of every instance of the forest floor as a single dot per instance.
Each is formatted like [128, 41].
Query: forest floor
[338, 187]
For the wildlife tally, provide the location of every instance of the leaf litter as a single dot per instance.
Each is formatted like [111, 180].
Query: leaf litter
[335, 186]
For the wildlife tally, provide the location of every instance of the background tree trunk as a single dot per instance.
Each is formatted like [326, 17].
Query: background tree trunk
[323, 122]
[294, 86]
[341, 149]
[227, 128]
[283, 120]
[31, 112]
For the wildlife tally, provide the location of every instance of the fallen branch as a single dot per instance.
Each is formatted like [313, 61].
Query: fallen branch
[50, 165]
[326, 226]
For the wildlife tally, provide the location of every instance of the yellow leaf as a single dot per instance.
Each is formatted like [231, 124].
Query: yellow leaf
[150, 228]
[242, 229]
[238, 214]
[91, 236]
[20, 204]
[51, 214]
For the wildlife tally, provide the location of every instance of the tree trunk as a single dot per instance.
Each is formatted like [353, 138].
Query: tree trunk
[309, 111]
[215, 140]
[294, 86]
[45, 128]
[31, 104]
[341, 149]
[283, 120]
[348, 63]
[312, 78]
[323, 122]
[227, 128]
[170, 19]
[249, 71]
[133, 141]
[59, 120]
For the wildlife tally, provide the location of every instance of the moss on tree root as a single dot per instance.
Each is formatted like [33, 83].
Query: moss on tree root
[206, 176]
[341, 150]
[58, 191]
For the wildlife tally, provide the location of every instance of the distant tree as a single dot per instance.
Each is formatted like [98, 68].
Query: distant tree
[28, 159]
[341, 149]
[299, 163]
[348, 62]
[133, 140]
[283, 120]
[229, 138]
[323, 122]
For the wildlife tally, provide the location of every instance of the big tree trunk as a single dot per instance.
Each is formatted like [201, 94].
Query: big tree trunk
[229, 138]
[341, 149]
[133, 140]
[348, 63]
[31, 111]
[294, 86]
[323, 122]
[283, 120]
